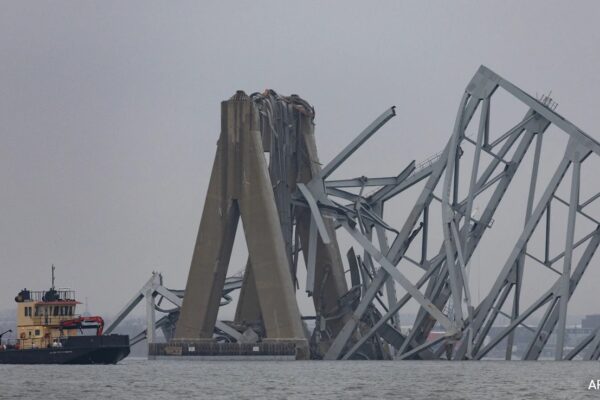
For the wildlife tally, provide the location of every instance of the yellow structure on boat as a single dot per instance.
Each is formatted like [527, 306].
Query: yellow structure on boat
[41, 316]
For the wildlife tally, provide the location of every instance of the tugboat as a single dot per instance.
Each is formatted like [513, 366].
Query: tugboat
[48, 332]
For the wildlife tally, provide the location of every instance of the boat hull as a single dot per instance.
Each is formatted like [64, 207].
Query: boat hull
[75, 350]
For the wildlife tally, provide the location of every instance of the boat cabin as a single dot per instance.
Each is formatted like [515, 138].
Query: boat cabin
[41, 316]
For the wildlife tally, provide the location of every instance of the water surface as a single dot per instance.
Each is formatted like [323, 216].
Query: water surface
[142, 379]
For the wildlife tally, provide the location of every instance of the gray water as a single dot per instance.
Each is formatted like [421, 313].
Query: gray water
[142, 379]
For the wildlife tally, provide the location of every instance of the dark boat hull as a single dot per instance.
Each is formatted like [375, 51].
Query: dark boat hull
[76, 350]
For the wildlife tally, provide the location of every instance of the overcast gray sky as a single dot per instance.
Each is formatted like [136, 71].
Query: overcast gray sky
[109, 112]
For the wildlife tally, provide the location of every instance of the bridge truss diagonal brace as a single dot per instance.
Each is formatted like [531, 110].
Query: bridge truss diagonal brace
[388, 268]
[547, 324]
[516, 254]
[488, 303]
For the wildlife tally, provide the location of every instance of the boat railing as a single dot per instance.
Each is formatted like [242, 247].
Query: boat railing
[20, 344]
[61, 294]
[31, 343]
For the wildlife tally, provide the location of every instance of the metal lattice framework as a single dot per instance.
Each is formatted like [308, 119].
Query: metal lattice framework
[354, 319]
[446, 299]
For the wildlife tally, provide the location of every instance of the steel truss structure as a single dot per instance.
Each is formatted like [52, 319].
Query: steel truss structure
[354, 319]
[152, 293]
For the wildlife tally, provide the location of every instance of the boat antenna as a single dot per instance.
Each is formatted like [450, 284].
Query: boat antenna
[53, 268]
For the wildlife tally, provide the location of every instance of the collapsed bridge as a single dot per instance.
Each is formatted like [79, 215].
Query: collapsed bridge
[267, 172]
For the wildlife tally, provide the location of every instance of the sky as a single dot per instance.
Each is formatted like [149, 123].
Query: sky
[109, 115]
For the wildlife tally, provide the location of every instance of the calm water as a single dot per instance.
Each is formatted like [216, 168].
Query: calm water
[142, 379]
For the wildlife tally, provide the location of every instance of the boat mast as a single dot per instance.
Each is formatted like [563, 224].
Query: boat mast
[53, 268]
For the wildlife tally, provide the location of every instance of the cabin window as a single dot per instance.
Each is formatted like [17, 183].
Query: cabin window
[37, 332]
[56, 311]
[27, 311]
[70, 310]
[37, 311]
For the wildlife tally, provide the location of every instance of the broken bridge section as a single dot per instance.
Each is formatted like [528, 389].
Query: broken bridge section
[267, 172]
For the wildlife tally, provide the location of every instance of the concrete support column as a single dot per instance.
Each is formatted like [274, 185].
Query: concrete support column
[240, 186]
